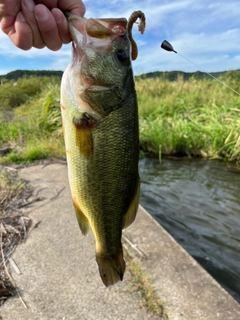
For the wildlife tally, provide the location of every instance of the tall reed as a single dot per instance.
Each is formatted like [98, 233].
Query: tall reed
[193, 118]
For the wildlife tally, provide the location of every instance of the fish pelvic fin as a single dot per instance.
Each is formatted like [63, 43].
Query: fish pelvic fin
[130, 215]
[111, 267]
[82, 220]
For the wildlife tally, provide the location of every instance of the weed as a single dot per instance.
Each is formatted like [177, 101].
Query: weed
[141, 283]
[194, 118]
[35, 131]
[13, 226]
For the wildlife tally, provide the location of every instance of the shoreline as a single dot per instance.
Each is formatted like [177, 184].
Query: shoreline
[48, 282]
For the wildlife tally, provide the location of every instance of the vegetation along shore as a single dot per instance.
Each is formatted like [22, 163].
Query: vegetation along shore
[178, 116]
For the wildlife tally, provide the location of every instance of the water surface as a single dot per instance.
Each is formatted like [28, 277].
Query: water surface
[198, 203]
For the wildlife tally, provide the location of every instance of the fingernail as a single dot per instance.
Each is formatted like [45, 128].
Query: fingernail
[41, 13]
[29, 4]
[21, 17]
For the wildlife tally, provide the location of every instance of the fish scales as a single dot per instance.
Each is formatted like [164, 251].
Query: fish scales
[100, 122]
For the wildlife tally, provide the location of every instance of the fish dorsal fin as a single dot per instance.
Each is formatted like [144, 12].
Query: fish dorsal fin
[130, 215]
[82, 220]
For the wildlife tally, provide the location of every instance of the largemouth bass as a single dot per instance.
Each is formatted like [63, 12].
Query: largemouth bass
[100, 125]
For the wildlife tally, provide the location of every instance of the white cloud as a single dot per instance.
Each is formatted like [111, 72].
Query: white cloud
[237, 59]
[228, 41]
[222, 11]
[206, 32]
[4, 71]
[211, 53]
[60, 63]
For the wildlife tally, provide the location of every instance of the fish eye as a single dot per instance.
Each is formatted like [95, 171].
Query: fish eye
[122, 56]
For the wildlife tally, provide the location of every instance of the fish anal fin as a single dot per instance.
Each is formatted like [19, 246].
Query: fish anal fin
[130, 215]
[111, 267]
[82, 220]
[84, 140]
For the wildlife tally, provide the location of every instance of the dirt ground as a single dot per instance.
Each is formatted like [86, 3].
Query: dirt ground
[15, 224]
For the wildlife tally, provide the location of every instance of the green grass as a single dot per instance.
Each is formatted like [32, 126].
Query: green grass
[194, 118]
[35, 130]
[10, 189]
[15, 93]
[142, 284]
[14, 226]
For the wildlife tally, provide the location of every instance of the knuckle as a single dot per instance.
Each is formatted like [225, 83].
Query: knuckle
[55, 47]
[40, 46]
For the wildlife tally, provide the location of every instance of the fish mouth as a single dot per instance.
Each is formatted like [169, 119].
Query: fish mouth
[91, 84]
[99, 88]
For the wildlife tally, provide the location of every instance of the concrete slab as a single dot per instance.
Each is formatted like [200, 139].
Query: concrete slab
[189, 291]
[59, 276]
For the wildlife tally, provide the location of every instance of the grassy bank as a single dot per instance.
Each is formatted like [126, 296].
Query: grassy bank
[32, 130]
[142, 284]
[193, 118]
[14, 226]
[181, 118]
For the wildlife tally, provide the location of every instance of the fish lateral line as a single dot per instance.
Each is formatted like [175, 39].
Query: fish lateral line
[165, 45]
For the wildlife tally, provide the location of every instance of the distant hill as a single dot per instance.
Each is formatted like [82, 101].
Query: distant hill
[173, 75]
[14, 75]
[168, 75]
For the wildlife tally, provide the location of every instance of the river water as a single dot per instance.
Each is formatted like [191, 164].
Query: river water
[198, 203]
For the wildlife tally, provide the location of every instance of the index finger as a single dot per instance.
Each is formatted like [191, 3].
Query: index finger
[47, 27]
[74, 6]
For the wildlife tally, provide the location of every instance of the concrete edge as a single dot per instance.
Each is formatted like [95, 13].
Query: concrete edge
[187, 289]
[189, 292]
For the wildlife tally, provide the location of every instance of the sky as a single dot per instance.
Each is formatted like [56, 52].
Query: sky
[205, 32]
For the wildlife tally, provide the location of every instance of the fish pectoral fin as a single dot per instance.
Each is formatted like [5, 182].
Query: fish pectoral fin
[82, 220]
[111, 267]
[130, 215]
[83, 134]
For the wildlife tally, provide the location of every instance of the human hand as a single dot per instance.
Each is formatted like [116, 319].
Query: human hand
[38, 23]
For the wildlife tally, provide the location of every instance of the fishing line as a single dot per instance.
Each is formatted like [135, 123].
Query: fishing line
[168, 47]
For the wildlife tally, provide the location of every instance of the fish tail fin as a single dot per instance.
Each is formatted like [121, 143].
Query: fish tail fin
[111, 267]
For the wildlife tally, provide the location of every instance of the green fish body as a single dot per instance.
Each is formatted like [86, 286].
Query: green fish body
[100, 125]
